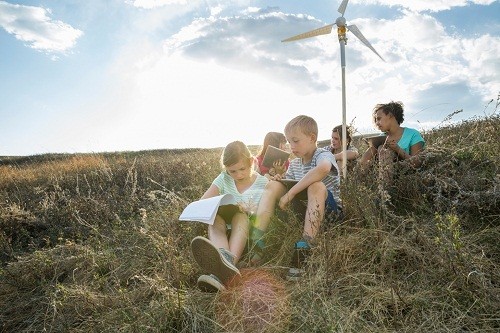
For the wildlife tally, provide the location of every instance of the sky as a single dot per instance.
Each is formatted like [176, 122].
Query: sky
[126, 75]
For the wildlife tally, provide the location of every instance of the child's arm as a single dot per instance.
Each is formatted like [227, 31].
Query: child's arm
[212, 191]
[414, 150]
[314, 175]
[350, 154]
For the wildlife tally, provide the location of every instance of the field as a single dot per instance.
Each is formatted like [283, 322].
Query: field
[92, 243]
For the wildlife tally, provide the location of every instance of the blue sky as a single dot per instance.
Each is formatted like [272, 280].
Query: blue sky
[117, 75]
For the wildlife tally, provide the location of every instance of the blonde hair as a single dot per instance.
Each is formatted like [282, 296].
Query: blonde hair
[305, 124]
[234, 152]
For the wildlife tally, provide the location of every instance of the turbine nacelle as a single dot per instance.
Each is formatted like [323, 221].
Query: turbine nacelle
[340, 21]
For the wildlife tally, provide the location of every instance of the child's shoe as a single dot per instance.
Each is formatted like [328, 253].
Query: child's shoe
[257, 246]
[210, 284]
[214, 261]
[295, 274]
[300, 254]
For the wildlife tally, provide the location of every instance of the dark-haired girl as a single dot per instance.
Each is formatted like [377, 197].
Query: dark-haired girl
[402, 143]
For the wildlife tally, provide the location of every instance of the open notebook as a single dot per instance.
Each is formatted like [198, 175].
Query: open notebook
[205, 210]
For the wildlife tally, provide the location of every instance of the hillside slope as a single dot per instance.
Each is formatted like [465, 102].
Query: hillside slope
[91, 243]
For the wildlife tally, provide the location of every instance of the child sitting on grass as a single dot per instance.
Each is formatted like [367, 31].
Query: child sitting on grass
[218, 255]
[336, 146]
[317, 173]
[278, 140]
[402, 143]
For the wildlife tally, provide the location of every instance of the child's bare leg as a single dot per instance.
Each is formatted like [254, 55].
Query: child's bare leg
[273, 191]
[239, 235]
[217, 233]
[316, 197]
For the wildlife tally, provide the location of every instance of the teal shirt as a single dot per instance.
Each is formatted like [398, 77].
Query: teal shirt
[409, 138]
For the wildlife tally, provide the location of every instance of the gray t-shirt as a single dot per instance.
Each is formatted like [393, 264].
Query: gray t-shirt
[297, 170]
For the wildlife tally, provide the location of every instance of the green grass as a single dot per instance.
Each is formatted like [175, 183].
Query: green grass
[92, 243]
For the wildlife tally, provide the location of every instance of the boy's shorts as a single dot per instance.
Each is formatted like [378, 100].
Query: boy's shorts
[333, 212]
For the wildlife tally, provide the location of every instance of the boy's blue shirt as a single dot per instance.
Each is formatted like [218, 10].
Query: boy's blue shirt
[297, 170]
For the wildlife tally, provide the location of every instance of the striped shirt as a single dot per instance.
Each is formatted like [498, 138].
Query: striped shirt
[249, 198]
[297, 170]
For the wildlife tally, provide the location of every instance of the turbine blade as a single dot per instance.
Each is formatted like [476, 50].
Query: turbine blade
[320, 31]
[357, 33]
[342, 7]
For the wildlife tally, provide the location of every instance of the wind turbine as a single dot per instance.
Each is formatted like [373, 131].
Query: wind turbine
[342, 28]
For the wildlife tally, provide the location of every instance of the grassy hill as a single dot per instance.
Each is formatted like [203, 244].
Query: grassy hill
[92, 243]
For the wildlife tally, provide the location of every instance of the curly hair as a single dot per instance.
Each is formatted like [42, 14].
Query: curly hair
[394, 108]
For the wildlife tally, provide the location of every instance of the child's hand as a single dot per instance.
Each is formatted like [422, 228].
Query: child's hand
[391, 144]
[277, 177]
[247, 208]
[279, 168]
[285, 200]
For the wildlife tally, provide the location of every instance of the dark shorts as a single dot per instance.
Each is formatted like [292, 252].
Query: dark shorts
[333, 213]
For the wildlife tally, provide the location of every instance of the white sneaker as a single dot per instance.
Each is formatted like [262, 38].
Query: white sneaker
[210, 284]
[295, 274]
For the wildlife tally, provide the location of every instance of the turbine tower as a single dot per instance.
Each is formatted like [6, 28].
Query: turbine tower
[342, 28]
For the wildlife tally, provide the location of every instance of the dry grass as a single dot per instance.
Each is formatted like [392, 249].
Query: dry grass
[91, 243]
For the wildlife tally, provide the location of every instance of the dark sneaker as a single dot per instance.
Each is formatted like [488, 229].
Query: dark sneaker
[210, 284]
[212, 260]
[300, 254]
[295, 274]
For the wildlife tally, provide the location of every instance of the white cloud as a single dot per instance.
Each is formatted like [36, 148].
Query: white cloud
[34, 26]
[252, 43]
[418, 50]
[418, 47]
[149, 4]
[168, 100]
[426, 5]
[483, 62]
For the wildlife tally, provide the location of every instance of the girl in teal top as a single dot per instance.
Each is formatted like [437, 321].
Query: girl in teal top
[402, 143]
[405, 142]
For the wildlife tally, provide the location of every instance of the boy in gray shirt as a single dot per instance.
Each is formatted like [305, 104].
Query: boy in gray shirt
[317, 173]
